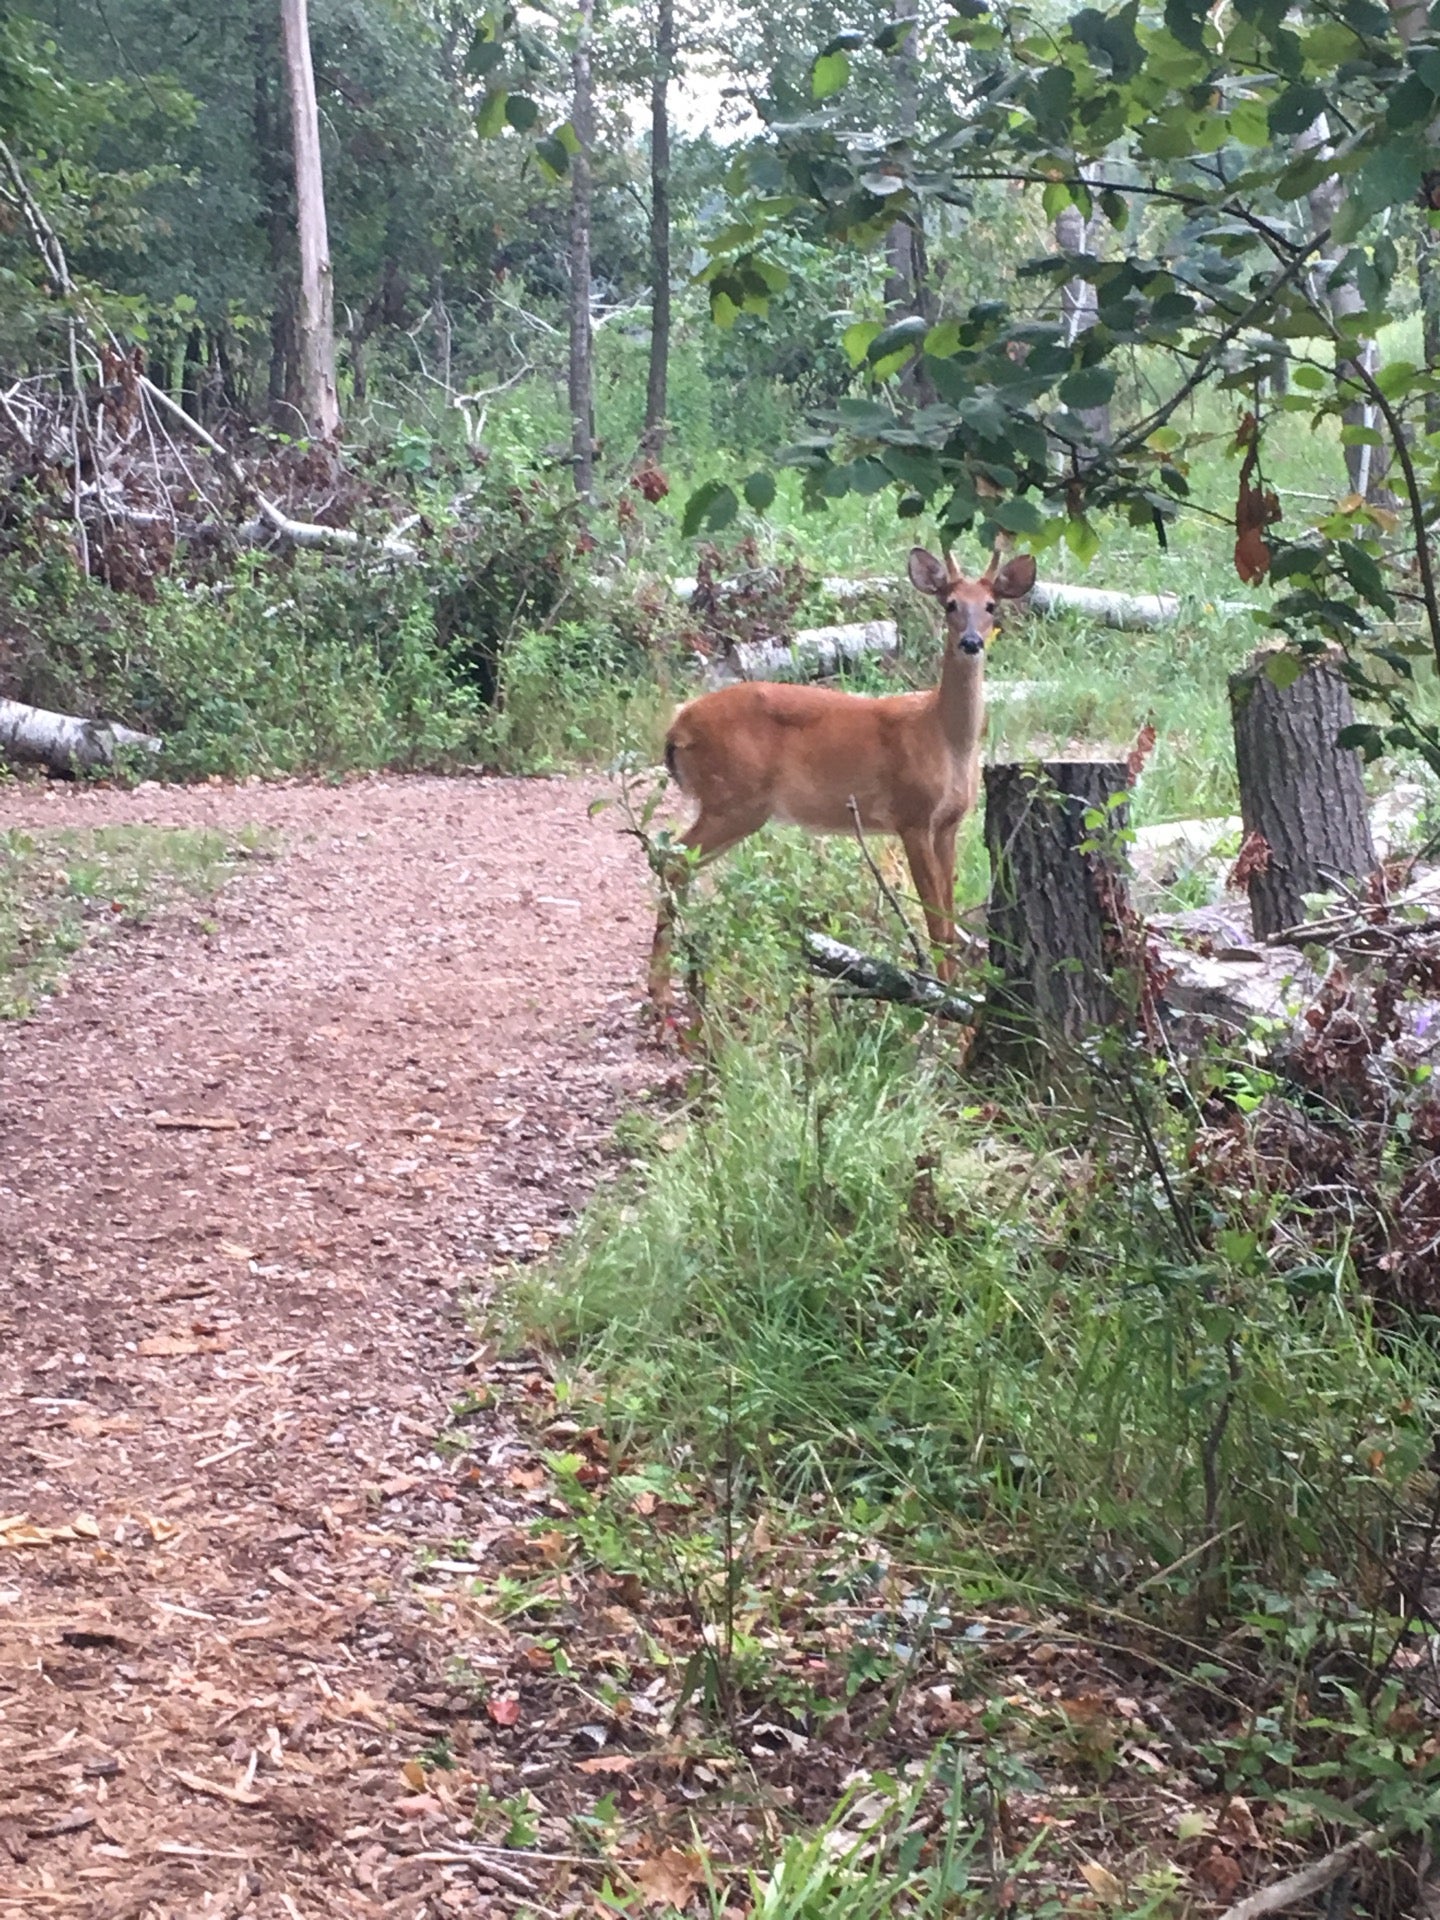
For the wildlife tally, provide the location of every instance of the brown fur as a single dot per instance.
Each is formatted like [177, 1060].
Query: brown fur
[910, 761]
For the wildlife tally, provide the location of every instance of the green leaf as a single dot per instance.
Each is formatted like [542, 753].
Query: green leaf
[1081, 538]
[760, 491]
[490, 120]
[1297, 108]
[898, 338]
[1395, 377]
[856, 339]
[1017, 516]
[1249, 123]
[1359, 733]
[1312, 379]
[713, 506]
[864, 416]
[829, 74]
[1055, 196]
[1088, 387]
[484, 57]
[522, 112]
[943, 340]
[553, 158]
[1282, 670]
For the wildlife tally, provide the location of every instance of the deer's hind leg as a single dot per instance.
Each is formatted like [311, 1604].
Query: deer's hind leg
[709, 835]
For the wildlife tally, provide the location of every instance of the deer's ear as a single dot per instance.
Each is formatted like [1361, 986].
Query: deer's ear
[927, 574]
[1015, 578]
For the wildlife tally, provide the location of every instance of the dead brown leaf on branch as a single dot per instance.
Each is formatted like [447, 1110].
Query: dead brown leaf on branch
[1255, 509]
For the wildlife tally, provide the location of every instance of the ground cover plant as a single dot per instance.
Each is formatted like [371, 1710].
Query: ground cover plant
[61, 889]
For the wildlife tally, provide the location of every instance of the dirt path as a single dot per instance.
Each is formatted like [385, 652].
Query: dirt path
[225, 1355]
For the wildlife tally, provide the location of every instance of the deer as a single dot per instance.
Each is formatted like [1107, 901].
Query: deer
[905, 763]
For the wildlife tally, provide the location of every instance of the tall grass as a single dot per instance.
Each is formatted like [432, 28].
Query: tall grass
[976, 1314]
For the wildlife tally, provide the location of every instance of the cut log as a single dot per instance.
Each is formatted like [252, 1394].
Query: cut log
[1302, 799]
[62, 740]
[812, 654]
[872, 978]
[1059, 914]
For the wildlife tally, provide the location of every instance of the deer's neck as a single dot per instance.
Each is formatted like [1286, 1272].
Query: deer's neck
[960, 702]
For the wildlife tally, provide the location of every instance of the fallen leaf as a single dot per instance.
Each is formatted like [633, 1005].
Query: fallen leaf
[216, 1790]
[1238, 1820]
[1101, 1882]
[233, 1250]
[608, 1763]
[414, 1774]
[197, 1122]
[1219, 1873]
[669, 1879]
[504, 1711]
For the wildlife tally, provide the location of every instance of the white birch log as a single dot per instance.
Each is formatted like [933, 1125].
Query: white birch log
[813, 653]
[1129, 611]
[62, 740]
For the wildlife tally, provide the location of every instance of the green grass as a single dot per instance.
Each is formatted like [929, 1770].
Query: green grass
[889, 1285]
[61, 888]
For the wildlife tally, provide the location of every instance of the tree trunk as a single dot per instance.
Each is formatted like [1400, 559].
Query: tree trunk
[652, 443]
[282, 388]
[1299, 792]
[1365, 466]
[1058, 908]
[319, 399]
[63, 741]
[1427, 273]
[582, 375]
[1079, 311]
[192, 374]
[907, 280]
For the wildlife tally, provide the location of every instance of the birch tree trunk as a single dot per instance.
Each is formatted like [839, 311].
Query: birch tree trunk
[63, 740]
[1080, 306]
[319, 399]
[657, 386]
[582, 374]
[1365, 467]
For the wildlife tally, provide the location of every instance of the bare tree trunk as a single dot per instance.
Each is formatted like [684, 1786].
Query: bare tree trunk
[1365, 466]
[1058, 908]
[1080, 307]
[1301, 797]
[582, 371]
[907, 281]
[657, 387]
[317, 290]
[1427, 274]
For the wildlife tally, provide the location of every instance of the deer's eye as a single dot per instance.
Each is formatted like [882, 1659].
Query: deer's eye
[989, 606]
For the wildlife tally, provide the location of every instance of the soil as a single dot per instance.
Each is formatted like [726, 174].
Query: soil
[252, 1162]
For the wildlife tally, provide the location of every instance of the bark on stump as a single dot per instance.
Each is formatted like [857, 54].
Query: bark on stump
[1300, 792]
[1058, 907]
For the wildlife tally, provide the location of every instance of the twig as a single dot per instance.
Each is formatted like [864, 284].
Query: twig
[1312, 1879]
[922, 960]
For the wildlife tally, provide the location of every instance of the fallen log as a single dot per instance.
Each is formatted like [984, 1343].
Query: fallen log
[813, 653]
[869, 977]
[1131, 612]
[63, 740]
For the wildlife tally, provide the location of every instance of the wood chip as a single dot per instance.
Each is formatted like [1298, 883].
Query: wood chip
[174, 1346]
[197, 1122]
[216, 1790]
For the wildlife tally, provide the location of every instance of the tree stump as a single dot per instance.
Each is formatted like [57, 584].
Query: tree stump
[1059, 908]
[1300, 793]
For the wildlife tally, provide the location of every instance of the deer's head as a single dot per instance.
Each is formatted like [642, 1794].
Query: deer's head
[970, 605]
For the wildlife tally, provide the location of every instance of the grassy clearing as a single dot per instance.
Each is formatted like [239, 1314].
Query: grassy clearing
[61, 888]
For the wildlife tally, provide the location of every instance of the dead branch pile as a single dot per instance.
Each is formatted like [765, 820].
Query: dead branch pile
[142, 487]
